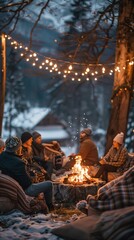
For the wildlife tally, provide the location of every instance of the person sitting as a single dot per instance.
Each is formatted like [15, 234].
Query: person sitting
[39, 153]
[87, 150]
[36, 171]
[2, 145]
[12, 165]
[114, 159]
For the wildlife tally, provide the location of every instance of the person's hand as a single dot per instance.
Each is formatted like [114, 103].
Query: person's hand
[103, 161]
[43, 171]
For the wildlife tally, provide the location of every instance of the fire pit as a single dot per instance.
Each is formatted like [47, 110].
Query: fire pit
[75, 185]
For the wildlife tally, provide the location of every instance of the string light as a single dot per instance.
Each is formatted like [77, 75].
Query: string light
[79, 70]
[125, 87]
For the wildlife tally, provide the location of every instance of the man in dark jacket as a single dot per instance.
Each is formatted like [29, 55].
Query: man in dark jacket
[88, 149]
[12, 165]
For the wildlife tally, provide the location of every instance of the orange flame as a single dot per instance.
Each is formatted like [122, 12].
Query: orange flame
[79, 173]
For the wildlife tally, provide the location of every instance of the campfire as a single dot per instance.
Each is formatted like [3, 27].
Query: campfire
[79, 174]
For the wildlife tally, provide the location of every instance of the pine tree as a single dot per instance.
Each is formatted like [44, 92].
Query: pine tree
[77, 26]
[129, 141]
[15, 101]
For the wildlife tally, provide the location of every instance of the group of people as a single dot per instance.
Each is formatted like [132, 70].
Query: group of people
[115, 158]
[18, 161]
[25, 160]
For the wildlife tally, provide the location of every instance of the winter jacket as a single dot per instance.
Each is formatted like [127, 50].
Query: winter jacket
[88, 151]
[13, 166]
[38, 150]
[116, 157]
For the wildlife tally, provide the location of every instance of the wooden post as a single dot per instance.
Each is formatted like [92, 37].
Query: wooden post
[3, 79]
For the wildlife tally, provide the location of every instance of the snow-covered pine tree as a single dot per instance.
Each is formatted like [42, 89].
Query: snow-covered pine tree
[15, 101]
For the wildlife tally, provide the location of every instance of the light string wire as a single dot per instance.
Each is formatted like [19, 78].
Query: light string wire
[74, 71]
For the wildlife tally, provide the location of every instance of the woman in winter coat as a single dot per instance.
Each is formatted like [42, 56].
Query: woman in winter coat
[114, 159]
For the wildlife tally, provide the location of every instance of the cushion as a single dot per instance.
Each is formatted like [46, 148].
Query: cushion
[117, 224]
[10, 189]
[6, 205]
[110, 225]
[83, 229]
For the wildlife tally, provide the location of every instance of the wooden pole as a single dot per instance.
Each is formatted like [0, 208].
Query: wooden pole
[3, 79]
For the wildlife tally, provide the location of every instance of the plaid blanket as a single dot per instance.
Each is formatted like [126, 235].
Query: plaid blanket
[116, 194]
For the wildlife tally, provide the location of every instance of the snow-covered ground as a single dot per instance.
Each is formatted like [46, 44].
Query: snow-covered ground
[18, 226]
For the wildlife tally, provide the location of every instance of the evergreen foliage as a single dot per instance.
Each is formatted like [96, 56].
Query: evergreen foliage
[15, 101]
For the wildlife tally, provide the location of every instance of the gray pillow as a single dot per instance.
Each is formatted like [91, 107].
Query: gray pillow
[117, 224]
[82, 229]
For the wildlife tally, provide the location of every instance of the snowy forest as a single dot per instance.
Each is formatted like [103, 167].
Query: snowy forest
[75, 57]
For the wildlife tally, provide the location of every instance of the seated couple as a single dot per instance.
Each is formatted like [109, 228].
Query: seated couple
[115, 158]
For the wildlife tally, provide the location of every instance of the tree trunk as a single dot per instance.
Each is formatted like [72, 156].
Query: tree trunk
[124, 74]
[3, 79]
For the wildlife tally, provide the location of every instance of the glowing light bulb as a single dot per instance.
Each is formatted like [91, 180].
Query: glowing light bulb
[51, 63]
[103, 70]
[70, 67]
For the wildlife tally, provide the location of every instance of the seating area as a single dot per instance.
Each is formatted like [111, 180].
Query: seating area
[109, 224]
[14, 196]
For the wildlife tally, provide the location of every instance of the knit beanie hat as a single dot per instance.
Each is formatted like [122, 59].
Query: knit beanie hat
[87, 131]
[13, 144]
[2, 143]
[25, 136]
[36, 135]
[119, 138]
